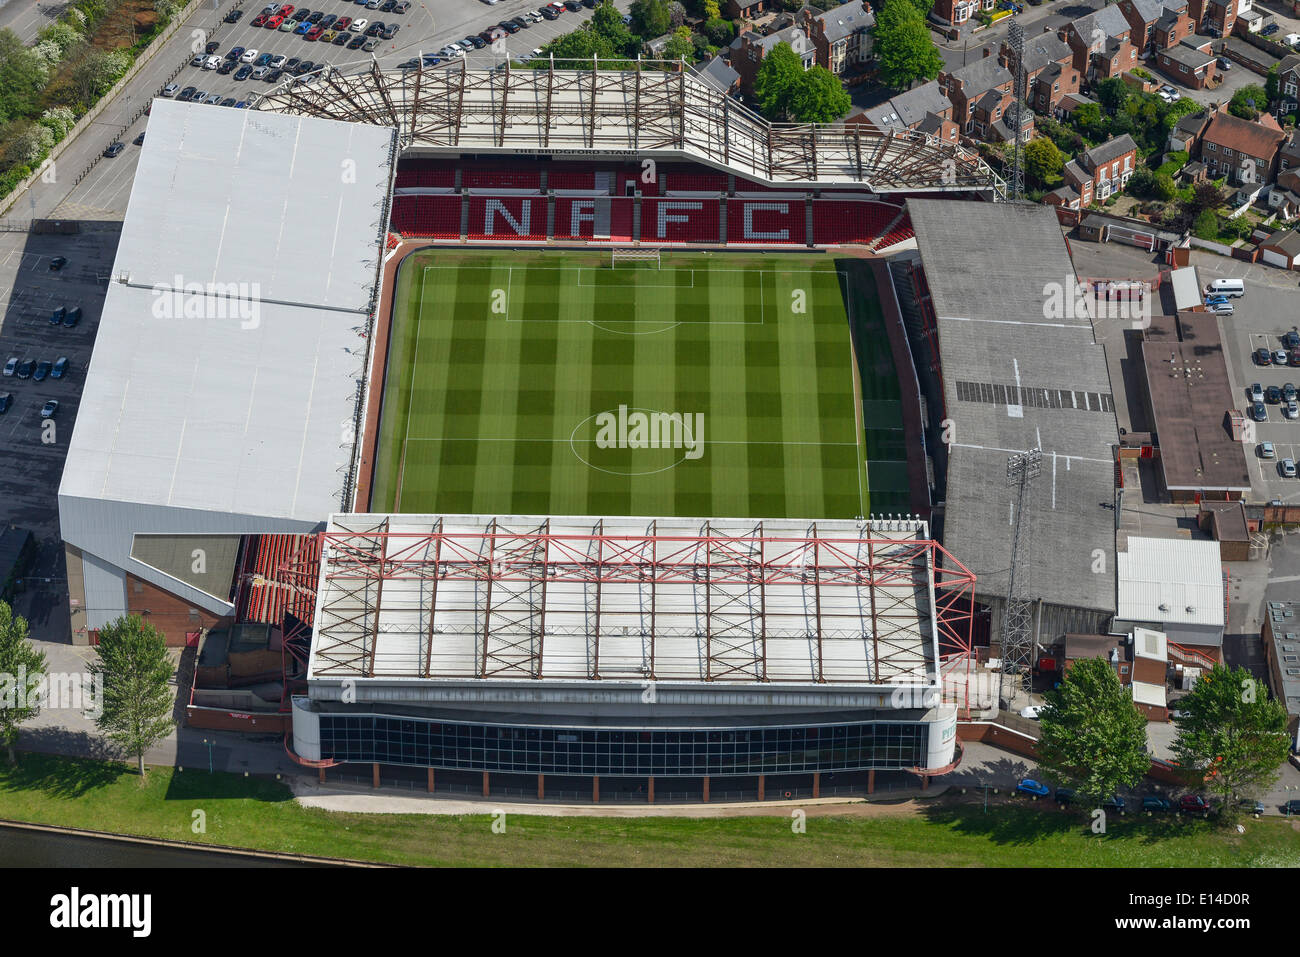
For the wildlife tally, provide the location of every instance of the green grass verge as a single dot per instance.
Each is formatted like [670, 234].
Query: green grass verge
[500, 362]
[251, 813]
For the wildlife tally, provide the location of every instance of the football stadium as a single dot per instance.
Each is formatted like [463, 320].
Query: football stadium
[573, 431]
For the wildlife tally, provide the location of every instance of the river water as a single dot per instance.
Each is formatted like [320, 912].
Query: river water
[20, 847]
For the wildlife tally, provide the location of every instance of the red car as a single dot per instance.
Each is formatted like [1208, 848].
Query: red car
[274, 22]
[1192, 802]
[314, 34]
[342, 23]
[259, 20]
[1295, 357]
[285, 10]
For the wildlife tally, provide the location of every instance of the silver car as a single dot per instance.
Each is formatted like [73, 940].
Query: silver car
[1287, 467]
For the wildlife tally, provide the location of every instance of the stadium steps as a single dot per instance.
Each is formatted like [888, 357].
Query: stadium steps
[464, 213]
[604, 181]
[550, 216]
[888, 232]
[600, 225]
[808, 223]
[722, 220]
[636, 218]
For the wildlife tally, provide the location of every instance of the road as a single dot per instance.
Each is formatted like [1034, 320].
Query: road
[26, 18]
[104, 192]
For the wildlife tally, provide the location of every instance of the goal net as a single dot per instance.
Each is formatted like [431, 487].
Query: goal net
[621, 255]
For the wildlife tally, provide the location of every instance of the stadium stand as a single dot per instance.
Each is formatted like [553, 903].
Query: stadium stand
[501, 179]
[575, 178]
[682, 181]
[436, 217]
[767, 221]
[268, 602]
[507, 217]
[680, 220]
[900, 232]
[839, 221]
[423, 172]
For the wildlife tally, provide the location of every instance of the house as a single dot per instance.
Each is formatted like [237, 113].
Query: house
[842, 35]
[1156, 24]
[1245, 152]
[1281, 249]
[1105, 169]
[1284, 197]
[1281, 635]
[1101, 44]
[1215, 17]
[1071, 102]
[925, 108]
[1189, 64]
[750, 48]
[1288, 76]
[980, 92]
[1186, 134]
[1049, 70]
[719, 74]
[951, 13]
[747, 9]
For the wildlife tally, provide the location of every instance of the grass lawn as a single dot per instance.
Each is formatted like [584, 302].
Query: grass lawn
[501, 365]
[258, 814]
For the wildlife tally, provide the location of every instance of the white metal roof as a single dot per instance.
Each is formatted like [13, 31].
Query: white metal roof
[1148, 693]
[1187, 288]
[1150, 644]
[231, 393]
[1171, 580]
[580, 599]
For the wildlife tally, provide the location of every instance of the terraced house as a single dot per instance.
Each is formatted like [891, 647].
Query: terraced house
[841, 36]
[981, 93]
[1157, 24]
[1049, 70]
[1243, 151]
[1101, 43]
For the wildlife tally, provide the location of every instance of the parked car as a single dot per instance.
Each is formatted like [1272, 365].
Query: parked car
[273, 23]
[548, 13]
[370, 44]
[264, 60]
[290, 25]
[1259, 412]
[314, 34]
[260, 72]
[56, 315]
[1272, 395]
[249, 55]
[1291, 340]
[1287, 467]
[1192, 803]
[1154, 802]
[1266, 450]
[228, 101]
[1291, 410]
[344, 38]
[25, 368]
[199, 59]
[342, 23]
[1032, 711]
[304, 28]
[1263, 356]
[1032, 788]
[573, 6]
[1225, 63]
[1251, 806]
[72, 318]
[171, 89]
[49, 409]
[234, 53]
[1064, 796]
[42, 370]
[1269, 30]
[6, 400]
[114, 149]
[275, 76]
[11, 366]
[389, 32]
[225, 68]
[244, 73]
[359, 25]
[1291, 807]
[259, 20]
[57, 263]
[509, 26]
[234, 15]
[402, 6]
[1114, 803]
[212, 99]
[139, 140]
[1256, 392]
[1279, 357]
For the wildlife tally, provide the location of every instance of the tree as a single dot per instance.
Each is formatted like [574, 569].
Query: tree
[903, 45]
[608, 23]
[1043, 161]
[1233, 737]
[818, 97]
[776, 79]
[676, 15]
[21, 667]
[1205, 196]
[719, 32]
[1270, 83]
[23, 74]
[1206, 225]
[1093, 737]
[680, 45]
[1248, 102]
[135, 670]
[1112, 93]
[649, 18]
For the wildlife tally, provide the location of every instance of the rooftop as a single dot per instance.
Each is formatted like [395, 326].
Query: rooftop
[1284, 617]
[983, 74]
[1171, 581]
[584, 599]
[1188, 384]
[1112, 149]
[1020, 373]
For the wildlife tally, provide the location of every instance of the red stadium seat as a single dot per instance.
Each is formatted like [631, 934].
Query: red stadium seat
[433, 216]
[839, 221]
[566, 178]
[501, 179]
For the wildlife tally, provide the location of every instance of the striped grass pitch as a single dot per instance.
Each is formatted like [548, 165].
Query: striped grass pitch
[515, 379]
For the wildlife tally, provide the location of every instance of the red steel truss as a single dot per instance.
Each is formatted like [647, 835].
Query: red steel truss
[731, 578]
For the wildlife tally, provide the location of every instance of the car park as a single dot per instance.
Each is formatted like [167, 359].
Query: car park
[185, 94]
[290, 25]
[359, 25]
[1256, 392]
[273, 23]
[244, 73]
[25, 368]
[344, 38]
[1287, 468]
[260, 72]
[1154, 802]
[171, 89]
[249, 56]
[114, 149]
[1032, 788]
[1272, 395]
[49, 409]
[1259, 412]
[259, 20]
[234, 15]
[42, 370]
[1266, 450]
[6, 400]
[1263, 357]
[11, 366]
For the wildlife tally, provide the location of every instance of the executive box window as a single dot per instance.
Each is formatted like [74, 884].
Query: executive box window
[622, 752]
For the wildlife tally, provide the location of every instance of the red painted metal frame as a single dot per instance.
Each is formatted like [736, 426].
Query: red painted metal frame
[506, 559]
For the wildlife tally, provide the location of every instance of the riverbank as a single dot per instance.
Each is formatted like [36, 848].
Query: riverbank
[238, 812]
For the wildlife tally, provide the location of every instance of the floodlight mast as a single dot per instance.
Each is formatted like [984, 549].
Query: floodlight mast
[1017, 630]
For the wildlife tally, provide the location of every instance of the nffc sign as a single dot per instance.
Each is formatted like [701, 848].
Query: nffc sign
[662, 220]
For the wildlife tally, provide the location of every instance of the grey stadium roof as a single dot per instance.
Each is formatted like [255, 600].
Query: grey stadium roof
[232, 415]
[995, 335]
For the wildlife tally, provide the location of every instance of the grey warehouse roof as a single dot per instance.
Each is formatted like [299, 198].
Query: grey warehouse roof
[1016, 376]
[227, 359]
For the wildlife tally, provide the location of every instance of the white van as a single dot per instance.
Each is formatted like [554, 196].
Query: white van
[1227, 287]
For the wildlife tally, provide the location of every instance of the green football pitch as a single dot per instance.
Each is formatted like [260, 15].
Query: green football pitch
[711, 384]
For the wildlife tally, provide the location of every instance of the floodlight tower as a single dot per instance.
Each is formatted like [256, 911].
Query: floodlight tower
[1016, 38]
[1017, 627]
